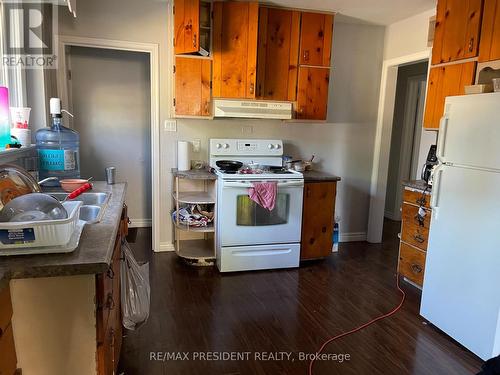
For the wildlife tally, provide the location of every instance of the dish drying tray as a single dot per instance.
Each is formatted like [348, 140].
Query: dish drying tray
[40, 234]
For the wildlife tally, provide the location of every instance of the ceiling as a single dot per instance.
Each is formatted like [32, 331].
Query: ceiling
[380, 12]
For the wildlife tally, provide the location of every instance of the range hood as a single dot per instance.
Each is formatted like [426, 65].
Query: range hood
[235, 108]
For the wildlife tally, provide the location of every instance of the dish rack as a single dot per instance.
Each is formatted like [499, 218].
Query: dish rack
[41, 233]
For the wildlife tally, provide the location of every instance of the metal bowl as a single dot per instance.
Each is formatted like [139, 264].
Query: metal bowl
[14, 182]
[33, 207]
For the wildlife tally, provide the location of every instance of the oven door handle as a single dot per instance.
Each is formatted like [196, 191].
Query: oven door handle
[228, 184]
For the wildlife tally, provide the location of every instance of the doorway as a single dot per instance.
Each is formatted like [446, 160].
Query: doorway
[406, 135]
[109, 94]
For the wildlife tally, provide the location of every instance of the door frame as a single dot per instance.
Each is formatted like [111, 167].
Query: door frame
[152, 50]
[381, 152]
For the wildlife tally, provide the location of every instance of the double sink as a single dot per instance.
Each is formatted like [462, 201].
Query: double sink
[94, 204]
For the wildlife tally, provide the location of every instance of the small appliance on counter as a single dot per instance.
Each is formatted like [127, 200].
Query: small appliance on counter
[429, 165]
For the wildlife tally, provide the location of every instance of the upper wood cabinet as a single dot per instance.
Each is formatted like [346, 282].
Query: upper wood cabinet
[192, 86]
[187, 26]
[489, 48]
[316, 39]
[448, 80]
[278, 51]
[458, 24]
[235, 27]
[312, 93]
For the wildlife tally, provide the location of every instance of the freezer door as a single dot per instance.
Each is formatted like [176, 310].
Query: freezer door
[470, 131]
[462, 272]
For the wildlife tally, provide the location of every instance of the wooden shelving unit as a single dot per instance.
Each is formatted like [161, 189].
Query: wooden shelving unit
[195, 245]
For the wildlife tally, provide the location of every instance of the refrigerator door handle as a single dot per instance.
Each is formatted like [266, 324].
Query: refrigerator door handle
[443, 127]
[436, 186]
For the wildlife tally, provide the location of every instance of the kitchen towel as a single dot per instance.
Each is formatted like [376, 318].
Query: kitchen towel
[264, 194]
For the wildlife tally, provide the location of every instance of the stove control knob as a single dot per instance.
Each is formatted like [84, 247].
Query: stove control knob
[225, 145]
[270, 146]
[277, 146]
[218, 145]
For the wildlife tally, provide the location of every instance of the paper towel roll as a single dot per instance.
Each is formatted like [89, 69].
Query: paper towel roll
[183, 161]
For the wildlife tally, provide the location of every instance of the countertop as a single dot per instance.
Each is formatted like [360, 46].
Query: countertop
[92, 256]
[417, 184]
[316, 176]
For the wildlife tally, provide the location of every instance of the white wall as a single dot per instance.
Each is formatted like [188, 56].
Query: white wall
[343, 146]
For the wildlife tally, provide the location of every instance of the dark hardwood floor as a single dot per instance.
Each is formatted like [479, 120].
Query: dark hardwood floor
[199, 309]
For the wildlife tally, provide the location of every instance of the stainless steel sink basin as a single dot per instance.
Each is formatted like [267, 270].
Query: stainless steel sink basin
[94, 204]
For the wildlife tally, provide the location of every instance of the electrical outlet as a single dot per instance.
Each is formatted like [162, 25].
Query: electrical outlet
[196, 145]
[247, 129]
[170, 125]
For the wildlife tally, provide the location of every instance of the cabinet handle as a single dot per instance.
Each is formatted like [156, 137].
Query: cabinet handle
[195, 40]
[417, 237]
[252, 88]
[110, 303]
[421, 201]
[306, 55]
[110, 273]
[471, 44]
[416, 268]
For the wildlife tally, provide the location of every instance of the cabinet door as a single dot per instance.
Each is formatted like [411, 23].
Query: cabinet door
[235, 49]
[317, 219]
[458, 24]
[278, 51]
[186, 26]
[312, 93]
[489, 47]
[316, 39]
[445, 81]
[192, 86]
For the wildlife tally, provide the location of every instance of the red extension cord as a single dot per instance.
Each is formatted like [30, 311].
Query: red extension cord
[362, 326]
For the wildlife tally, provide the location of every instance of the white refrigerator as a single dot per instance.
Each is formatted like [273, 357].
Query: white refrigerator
[461, 290]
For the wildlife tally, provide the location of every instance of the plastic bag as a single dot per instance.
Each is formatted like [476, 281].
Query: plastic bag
[135, 290]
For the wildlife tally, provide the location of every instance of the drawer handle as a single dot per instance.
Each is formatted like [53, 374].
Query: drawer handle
[418, 237]
[416, 268]
[421, 201]
[110, 303]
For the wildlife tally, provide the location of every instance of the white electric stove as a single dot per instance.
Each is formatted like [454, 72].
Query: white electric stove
[250, 237]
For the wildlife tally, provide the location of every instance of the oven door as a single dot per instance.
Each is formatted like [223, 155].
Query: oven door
[244, 222]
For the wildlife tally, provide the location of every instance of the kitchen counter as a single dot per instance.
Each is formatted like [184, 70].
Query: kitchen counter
[93, 255]
[420, 185]
[316, 176]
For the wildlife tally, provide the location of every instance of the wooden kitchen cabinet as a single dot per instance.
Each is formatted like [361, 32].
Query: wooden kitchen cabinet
[192, 86]
[318, 218]
[458, 24]
[108, 314]
[414, 235]
[489, 48]
[448, 80]
[278, 52]
[186, 26]
[312, 93]
[235, 26]
[8, 358]
[316, 39]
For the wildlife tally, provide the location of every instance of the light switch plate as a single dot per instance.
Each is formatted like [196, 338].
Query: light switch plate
[170, 125]
[196, 145]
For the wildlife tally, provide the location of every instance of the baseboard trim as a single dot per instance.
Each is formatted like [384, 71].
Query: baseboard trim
[165, 246]
[352, 237]
[140, 223]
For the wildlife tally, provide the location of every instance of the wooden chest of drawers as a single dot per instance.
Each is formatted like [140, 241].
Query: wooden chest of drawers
[414, 234]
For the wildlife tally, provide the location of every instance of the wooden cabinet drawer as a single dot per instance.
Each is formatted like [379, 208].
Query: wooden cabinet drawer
[412, 263]
[8, 359]
[417, 198]
[5, 309]
[411, 221]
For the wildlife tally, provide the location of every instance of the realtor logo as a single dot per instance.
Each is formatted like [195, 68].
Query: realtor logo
[30, 30]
